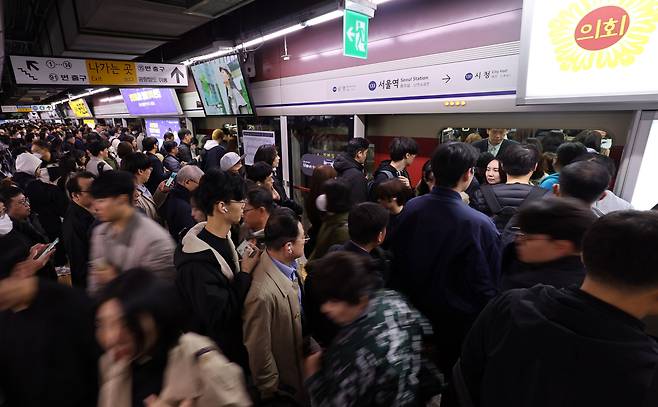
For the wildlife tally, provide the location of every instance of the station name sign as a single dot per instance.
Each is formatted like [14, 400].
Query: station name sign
[90, 72]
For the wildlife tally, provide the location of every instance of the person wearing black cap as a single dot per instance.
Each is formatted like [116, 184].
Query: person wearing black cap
[127, 239]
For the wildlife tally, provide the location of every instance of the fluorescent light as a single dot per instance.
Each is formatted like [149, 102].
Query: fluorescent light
[271, 36]
[378, 2]
[112, 99]
[324, 18]
[332, 15]
[91, 92]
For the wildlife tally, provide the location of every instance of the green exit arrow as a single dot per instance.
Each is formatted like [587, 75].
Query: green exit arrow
[355, 34]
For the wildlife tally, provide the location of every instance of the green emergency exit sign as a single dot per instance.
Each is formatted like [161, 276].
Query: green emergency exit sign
[355, 34]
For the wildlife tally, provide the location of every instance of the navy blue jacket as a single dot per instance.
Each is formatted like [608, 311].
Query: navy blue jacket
[446, 255]
[177, 211]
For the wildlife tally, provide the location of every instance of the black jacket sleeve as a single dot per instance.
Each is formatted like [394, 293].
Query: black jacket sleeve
[76, 242]
[215, 300]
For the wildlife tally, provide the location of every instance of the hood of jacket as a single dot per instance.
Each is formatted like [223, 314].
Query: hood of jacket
[210, 144]
[344, 162]
[195, 250]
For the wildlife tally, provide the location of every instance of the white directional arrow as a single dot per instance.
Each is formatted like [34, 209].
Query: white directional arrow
[350, 33]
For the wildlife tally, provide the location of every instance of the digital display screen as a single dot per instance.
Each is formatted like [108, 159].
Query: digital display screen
[151, 101]
[222, 87]
[158, 127]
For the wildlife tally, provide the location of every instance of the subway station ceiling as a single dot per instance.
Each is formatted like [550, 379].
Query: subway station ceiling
[148, 30]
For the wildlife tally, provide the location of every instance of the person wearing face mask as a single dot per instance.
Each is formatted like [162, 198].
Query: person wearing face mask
[212, 281]
[46, 200]
[50, 171]
[147, 361]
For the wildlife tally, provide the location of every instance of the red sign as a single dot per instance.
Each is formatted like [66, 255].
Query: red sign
[602, 28]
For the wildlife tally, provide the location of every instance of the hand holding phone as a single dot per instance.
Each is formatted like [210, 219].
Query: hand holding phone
[171, 180]
[41, 256]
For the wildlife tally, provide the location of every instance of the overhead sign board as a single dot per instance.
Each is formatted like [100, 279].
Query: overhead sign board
[85, 72]
[355, 34]
[580, 51]
[26, 108]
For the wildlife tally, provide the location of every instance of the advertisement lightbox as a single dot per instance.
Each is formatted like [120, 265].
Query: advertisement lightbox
[580, 51]
[222, 87]
[80, 108]
[151, 101]
[158, 127]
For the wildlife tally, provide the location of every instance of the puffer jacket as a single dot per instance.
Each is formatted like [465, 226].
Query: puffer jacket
[509, 195]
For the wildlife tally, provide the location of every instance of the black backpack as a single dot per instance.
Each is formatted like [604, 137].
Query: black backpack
[372, 185]
[503, 215]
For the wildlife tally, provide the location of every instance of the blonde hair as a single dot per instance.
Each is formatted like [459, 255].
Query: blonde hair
[217, 134]
[472, 138]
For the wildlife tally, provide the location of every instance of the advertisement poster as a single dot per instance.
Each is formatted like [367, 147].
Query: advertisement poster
[222, 87]
[158, 127]
[589, 51]
[80, 108]
[252, 139]
[151, 101]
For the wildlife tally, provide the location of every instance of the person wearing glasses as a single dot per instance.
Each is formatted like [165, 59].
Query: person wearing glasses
[213, 283]
[549, 233]
[273, 314]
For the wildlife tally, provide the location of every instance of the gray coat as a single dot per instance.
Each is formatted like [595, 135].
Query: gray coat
[143, 243]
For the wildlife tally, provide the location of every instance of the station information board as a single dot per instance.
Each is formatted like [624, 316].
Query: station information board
[582, 51]
[30, 70]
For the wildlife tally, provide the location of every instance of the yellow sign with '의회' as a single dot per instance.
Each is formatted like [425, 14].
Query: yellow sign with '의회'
[102, 72]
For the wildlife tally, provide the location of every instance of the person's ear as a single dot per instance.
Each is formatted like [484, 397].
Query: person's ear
[556, 189]
[564, 247]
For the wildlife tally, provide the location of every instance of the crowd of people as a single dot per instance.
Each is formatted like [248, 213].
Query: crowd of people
[139, 272]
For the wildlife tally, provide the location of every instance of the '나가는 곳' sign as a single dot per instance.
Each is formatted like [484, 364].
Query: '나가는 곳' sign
[579, 51]
[70, 71]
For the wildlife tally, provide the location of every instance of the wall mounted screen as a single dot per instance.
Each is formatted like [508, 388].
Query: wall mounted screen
[151, 101]
[222, 87]
[158, 127]
[580, 51]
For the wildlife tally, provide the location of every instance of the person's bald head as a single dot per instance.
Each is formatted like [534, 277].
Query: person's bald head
[189, 177]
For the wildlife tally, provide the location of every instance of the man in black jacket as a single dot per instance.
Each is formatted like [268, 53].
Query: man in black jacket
[501, 201]
[403, 151]
[212, 282]
[76, 227]
[185, 146]
[177, 210]
[349, 166]
[157, 174]
[582, 346]
[496, 144]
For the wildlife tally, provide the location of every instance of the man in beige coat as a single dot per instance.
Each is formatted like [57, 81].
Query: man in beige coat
[272, 312]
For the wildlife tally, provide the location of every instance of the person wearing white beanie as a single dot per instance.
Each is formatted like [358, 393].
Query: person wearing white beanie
[28, 163]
